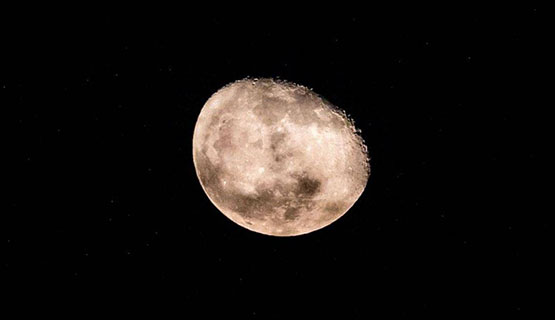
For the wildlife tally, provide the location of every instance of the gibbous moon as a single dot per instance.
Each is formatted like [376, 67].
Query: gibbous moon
[276, 158]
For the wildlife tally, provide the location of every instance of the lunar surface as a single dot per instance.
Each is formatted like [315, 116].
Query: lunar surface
[278, 159]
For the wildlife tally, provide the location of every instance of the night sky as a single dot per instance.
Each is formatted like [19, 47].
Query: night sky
[102, 206]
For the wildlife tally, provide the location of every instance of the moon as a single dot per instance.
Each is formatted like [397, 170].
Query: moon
[278, 159]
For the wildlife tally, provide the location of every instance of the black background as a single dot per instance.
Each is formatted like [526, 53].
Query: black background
[103, 204]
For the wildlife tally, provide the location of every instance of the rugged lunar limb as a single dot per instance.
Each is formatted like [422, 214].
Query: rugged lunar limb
[276, 158]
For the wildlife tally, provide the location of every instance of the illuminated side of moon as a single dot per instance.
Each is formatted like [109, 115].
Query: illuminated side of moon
[276, 158]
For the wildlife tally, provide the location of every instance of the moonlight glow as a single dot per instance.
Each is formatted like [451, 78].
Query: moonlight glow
[276, 158]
